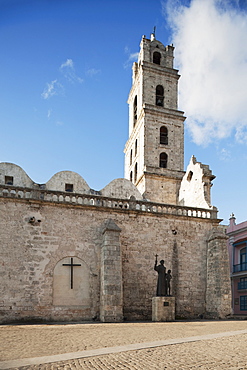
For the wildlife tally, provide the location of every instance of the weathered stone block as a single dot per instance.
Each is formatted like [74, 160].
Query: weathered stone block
[163, 308]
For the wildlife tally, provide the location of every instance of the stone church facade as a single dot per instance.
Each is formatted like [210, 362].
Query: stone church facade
[69, 252]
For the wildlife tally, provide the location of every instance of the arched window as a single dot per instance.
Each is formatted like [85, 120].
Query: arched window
[135, 110]
[136, 147]
[160, 96]
[131, 157]
[131, 176]
[163, 135]
[156, 57]
[243, 260]
[135, 173]
[190, 175]
[163, 160]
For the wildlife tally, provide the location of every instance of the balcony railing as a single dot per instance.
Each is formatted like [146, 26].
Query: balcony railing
[97, 201]
[242, 285]
[240, 267]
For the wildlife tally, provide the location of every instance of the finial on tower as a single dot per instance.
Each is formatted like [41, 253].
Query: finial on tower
[153, 34]
[232, 219]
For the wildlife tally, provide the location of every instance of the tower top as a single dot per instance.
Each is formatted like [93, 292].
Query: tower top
[153, 51]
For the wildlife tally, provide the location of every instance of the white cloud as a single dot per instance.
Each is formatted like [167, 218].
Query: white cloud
[55, 87]
[51, 89]
[92, 72]
[68, 63]
[225, 155]
[132, 57]
[211, 54]
[68, 71]
[49, 113]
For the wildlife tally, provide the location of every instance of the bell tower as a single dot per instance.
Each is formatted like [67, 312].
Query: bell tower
[154, 152]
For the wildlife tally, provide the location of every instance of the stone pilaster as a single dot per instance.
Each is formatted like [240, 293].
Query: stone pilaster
[218, 294]
[111, 291]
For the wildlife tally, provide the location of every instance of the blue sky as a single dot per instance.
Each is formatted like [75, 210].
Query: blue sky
[66, 74]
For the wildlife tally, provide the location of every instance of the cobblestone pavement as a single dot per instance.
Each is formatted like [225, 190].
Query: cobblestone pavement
[217, 354]
[222, 353]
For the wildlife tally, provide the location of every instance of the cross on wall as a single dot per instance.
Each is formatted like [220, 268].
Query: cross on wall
[72, 265]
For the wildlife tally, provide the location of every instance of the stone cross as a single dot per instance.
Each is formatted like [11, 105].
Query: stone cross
[71, 264]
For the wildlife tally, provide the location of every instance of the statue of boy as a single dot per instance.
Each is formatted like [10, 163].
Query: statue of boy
[168, 279]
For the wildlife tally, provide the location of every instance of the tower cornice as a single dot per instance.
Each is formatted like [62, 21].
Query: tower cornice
[161, 111]
[158, 68]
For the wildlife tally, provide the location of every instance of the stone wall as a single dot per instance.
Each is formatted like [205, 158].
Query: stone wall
[160, 187]
[30, 252]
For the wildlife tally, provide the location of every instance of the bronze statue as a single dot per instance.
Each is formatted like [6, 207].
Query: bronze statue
[164, 279]
[161, 290]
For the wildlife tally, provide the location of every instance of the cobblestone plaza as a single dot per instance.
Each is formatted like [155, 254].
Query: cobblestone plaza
[143, 345]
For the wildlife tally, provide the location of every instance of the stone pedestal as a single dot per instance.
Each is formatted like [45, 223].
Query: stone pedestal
[163, 308]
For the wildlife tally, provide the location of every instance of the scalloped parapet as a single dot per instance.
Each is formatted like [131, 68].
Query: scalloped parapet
[121, 188]
[11, 174]
[195, 189]
[68, 181]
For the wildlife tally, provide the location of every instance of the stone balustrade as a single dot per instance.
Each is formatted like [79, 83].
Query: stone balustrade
[53, 196]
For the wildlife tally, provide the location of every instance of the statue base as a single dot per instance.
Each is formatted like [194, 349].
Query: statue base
[163, 308]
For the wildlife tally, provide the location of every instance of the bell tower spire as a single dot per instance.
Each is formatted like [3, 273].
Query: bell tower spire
[154, 152]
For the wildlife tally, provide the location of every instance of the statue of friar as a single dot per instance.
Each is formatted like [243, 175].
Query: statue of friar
[161, 290]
